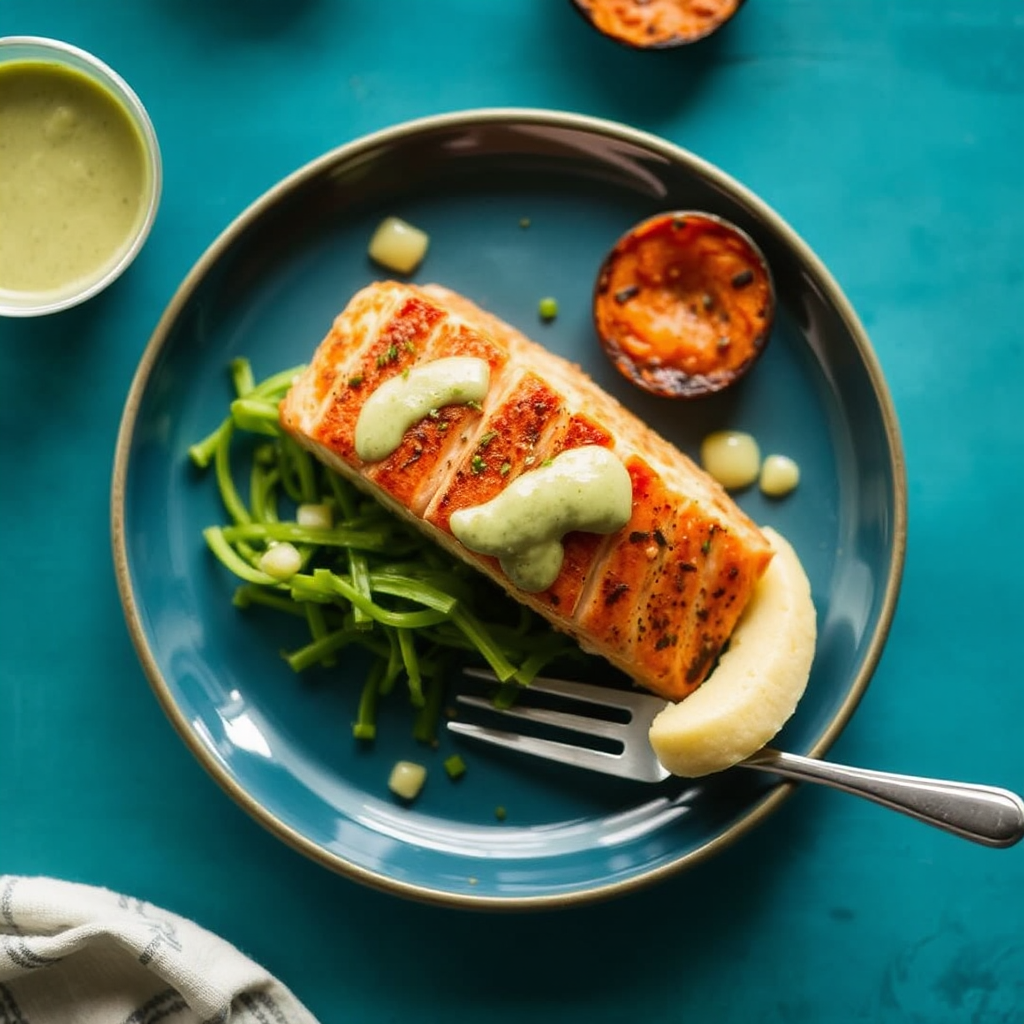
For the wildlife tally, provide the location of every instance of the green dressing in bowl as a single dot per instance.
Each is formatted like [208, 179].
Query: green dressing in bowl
[75, 179]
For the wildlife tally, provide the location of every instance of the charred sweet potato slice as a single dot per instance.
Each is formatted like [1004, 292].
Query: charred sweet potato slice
[684, 304]
[657, 24]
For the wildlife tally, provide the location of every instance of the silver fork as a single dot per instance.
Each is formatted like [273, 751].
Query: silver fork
[984, 814]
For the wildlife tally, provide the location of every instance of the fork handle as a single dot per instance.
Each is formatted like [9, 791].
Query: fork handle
[984, 814]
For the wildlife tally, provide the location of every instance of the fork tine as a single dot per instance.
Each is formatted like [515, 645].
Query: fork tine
[565, 753]
[625, 700]
[545, 716]
[636, 759]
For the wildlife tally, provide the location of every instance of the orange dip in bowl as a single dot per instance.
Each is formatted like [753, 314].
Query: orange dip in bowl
[653, 24]
[684, 304]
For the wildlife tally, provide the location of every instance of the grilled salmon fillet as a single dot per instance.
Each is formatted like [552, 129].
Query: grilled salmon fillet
[658, 598]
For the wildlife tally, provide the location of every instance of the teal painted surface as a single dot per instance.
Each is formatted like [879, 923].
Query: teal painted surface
[892, 139]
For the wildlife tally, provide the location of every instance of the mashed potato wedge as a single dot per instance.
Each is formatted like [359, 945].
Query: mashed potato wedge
[757, 683]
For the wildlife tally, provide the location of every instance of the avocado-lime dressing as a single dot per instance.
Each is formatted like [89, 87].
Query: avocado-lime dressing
[584, 488]
[406, 399]
[73, 177]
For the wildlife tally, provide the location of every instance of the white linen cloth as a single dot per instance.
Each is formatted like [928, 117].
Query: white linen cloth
[75, 954]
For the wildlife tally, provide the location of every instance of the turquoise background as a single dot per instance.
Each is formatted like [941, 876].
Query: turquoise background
[891, 136]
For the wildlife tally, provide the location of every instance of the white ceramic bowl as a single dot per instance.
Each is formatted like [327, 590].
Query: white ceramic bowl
[50, 51]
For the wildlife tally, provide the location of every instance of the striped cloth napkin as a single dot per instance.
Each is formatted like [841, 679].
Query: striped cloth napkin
[74, 953]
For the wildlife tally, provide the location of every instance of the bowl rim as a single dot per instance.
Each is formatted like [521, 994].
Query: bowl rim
[150, 358]
[69, 55]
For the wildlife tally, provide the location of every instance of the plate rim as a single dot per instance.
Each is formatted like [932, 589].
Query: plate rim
[465, 119]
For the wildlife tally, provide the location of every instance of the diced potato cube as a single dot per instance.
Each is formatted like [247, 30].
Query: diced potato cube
[319, 516]
[407, 779]
[398, 246]
[282, 561]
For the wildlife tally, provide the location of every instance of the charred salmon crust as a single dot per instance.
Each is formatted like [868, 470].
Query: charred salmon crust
[659, 598]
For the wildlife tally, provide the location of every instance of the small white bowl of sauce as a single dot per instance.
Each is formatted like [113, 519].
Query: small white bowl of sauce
[80, 175]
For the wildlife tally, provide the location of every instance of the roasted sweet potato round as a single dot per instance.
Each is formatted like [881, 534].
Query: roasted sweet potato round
[684, 304]
[657, 24]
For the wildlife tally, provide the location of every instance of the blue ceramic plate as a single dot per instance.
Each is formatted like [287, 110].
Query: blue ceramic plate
[268, 289]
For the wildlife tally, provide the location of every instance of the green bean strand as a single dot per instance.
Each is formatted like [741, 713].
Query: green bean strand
[394, 662]
[425, 726]
[202, 452]
[323, 581]
[484, 643]
[412, 667]
[214, 537]
[334, 536]
[342, 494]
[313, 653]
[359, 573]
[241, 376]
[257, 415]
[365, 726]
[412, 590]
[226, 485]
[262, 498]
[305, 471]
[277, 385]
[250, 593]
[318, 630]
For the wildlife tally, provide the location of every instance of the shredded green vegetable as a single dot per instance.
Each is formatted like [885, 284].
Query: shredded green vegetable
[368, 579]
